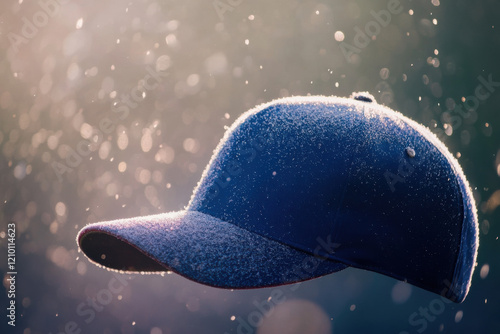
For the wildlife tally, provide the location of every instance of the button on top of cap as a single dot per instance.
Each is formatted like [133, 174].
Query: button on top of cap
[363, 96]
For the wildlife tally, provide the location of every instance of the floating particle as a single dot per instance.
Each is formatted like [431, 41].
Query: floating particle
[485, 269]
[339, 36]
[458, 316]
[79, 23]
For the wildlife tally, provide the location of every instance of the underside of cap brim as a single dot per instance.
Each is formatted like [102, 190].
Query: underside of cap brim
[199, 247]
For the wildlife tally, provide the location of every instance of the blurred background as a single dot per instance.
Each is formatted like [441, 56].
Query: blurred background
[112, 109]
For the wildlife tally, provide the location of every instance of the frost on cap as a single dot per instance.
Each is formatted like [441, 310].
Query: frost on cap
[196, 246]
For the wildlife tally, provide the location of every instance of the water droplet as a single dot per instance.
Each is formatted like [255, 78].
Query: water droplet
[458, 316]
[384, 73]
[339, 36]
[485, 269]
[410, 152]
[79, 23]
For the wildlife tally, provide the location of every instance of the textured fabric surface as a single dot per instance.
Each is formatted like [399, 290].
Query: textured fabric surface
[345, 179]
[202, 248]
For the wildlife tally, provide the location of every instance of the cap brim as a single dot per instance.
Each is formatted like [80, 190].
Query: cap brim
[200, 247]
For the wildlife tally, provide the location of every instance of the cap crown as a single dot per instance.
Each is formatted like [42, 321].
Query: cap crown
[379, 186]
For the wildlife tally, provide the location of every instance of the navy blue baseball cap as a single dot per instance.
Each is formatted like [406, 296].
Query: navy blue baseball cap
[302, 187]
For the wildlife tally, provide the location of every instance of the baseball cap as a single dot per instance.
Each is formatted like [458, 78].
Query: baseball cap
[302, 187]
